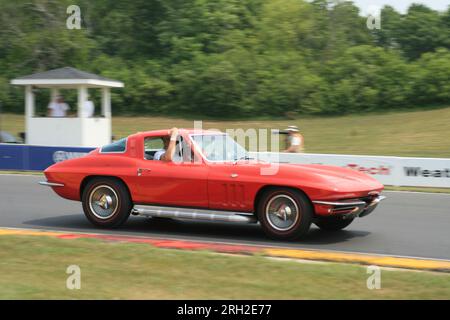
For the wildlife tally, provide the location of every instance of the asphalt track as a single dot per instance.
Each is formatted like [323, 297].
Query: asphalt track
[405, 224]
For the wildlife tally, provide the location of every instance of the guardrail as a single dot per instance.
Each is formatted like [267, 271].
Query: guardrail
[395, 171]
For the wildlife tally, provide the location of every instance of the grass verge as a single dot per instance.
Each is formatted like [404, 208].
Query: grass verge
[418, 189]
[31, 173]
[35, 268]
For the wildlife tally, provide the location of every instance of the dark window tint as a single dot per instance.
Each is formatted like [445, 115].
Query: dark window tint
[117, 146]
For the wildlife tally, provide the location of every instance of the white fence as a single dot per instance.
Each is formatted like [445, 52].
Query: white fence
[395, 171]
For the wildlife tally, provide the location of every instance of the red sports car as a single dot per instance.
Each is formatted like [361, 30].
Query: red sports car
[211, 178]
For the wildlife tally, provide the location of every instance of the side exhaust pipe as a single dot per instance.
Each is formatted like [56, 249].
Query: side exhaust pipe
[193, 214]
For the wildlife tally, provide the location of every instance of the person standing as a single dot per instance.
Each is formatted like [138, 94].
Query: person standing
[57, 108]
[88, 108]
[294, 140]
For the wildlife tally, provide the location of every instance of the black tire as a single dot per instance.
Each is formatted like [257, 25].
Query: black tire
[333, 223]
[98, 190]
[299, 226]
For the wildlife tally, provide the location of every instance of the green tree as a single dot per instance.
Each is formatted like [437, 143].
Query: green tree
[421, 30]
[232, 58]
[368, 78]
[431, 78]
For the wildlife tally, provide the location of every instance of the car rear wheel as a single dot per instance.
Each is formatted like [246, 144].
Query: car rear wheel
[106, 202]
[285, 213]
[333, 223]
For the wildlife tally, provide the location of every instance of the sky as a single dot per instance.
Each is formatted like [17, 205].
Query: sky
[401, 5]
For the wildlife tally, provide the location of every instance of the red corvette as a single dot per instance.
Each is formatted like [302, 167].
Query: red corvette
[211, 178]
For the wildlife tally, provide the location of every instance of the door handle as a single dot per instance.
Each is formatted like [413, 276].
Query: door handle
[234, 175]
[140, 170]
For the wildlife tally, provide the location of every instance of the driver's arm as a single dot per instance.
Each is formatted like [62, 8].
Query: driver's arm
[168, 155]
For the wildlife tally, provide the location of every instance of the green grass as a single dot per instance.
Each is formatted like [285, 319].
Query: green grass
[33, 173]
[35, 268]
[413, 133]
[418, 189]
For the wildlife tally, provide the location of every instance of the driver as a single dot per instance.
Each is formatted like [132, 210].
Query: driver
[167, 153]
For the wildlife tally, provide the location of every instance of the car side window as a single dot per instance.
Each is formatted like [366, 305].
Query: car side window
[151, 146]
[183, 152]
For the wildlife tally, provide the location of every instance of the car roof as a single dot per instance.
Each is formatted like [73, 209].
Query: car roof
[7, 137]
[165, 132]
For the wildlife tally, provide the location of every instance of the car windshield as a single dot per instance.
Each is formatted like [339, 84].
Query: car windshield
[220, 147]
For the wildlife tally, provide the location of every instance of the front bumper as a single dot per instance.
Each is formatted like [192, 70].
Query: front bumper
[348, 208]
[51, 184]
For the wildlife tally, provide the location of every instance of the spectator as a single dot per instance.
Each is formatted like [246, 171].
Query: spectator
[88, 108]
[294, 140]
[58, 108]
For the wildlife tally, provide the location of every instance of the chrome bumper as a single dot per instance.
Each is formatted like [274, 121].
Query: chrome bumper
[51, 184]
[351, 208]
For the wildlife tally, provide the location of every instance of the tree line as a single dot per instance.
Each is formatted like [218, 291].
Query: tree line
[234, 58]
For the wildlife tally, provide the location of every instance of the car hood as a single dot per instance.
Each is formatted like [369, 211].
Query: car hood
[342, 179]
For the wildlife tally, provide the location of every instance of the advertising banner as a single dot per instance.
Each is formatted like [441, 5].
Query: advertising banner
[29, 157]
[395, 171]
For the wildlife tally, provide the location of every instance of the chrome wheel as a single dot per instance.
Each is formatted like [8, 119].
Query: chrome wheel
[282, 212]
[103, 202]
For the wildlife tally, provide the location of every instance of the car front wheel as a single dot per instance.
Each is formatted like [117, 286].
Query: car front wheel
[106, 202]
[285, 213]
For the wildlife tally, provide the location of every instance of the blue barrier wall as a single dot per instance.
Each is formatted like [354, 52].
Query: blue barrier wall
[38, 158]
